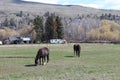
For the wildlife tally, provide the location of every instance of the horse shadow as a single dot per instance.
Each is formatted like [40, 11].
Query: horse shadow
[69, 56]
[30, 65]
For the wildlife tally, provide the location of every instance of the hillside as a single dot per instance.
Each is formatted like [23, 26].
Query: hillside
[77, 20]
[12, 6]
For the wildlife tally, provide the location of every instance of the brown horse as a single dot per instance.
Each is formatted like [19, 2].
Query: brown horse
[77, 49]
[41, 55]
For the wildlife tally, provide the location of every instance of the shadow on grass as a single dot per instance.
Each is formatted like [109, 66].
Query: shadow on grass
[69, 56]
[30, 65]
[16, 57]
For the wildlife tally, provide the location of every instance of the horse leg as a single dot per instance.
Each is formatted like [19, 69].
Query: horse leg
[78, 53]
[40, 60]
[44, 60]
[74, 52]
[47, 58]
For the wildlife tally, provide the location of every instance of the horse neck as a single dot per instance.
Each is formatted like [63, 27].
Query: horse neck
[37, 56]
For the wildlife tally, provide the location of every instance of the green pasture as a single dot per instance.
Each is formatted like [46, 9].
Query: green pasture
[97, 62]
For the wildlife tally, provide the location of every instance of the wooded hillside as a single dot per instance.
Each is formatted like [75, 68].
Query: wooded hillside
[79, 23]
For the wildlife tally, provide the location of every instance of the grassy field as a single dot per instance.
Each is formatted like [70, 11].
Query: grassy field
[97, 62]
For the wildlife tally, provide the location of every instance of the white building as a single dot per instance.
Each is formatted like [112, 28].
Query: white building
[57, 41]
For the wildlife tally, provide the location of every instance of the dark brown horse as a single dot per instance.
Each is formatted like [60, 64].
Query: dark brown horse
[77, 49]
[42, 54]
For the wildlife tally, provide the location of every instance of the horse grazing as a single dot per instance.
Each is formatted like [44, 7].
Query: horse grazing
[41, 56]
[77, 49]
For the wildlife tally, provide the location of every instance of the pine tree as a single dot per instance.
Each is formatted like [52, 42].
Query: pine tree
[53, 27]
[49, 28]
[59, 28]
[38, 23]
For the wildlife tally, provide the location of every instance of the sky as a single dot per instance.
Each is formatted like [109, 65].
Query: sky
[100, 4]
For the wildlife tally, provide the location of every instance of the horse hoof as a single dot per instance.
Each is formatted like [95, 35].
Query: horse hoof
[44, 63]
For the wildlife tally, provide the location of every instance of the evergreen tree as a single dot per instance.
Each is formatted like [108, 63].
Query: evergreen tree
[38, 23]
[53, 27]
[59, 28]
[49, 28]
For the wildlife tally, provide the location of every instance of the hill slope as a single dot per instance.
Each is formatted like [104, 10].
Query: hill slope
[64, 10]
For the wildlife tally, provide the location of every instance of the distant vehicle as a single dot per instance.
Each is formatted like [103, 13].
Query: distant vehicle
[1, 43]
[58, 41]
[26, 40]
[18, 40]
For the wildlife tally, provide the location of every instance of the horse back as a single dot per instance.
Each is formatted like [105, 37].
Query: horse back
[44, 51]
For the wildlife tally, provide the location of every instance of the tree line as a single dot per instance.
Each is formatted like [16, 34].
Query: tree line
[50, 28]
